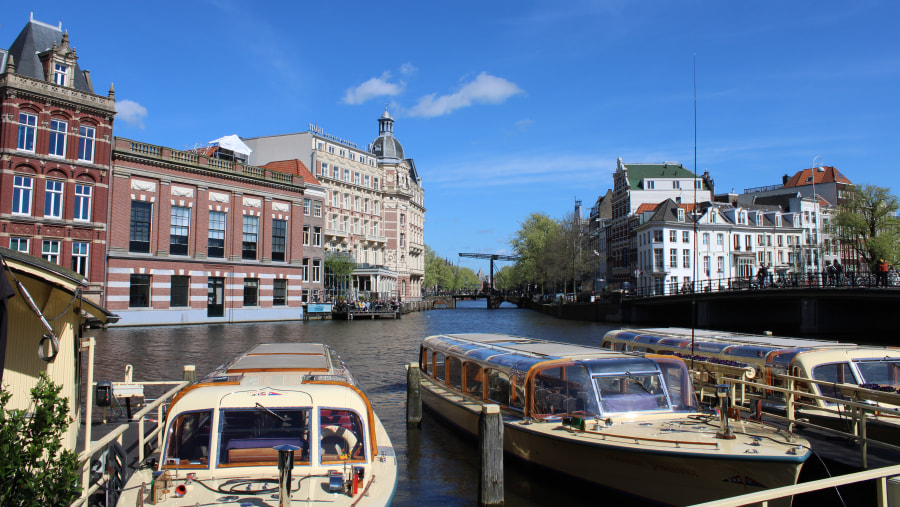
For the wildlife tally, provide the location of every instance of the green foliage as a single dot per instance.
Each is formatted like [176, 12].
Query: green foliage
[438, 271]
[337, 272]
[868, 224]
[35, 469]
[465, 279]
[550, 253]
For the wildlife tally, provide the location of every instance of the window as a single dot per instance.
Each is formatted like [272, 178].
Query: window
[139, 292]
[180, 230]
[278, 240]
[336, 172]
[705, 239]
[179, 294]
[347, 175]
[139, 240]
[60, 72]
[673, 257]
[86, 143]
[356, 203]
[706, 264]
[686, 258]
[323, 171]
[317, 270]
[279, 292]
[317, 209]
[305, 235]
[251, 291]
[685, 237]
[251, 229]
[53, 199]
[27, 128]
[50, 251]
[721, 265]
[306, 206]
[346, 201]
[83, 202]
[22, 195]
[19, 244]
[335, 199]
[317, 236]
[305, 269]
[215, 244]
[57, 146]
[649, 184]
[720, 240]
[356, 178]
[403, 222]
[80, 258]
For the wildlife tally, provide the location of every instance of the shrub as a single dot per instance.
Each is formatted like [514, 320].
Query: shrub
[35, 470]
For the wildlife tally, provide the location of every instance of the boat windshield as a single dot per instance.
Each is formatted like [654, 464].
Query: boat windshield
[342, 437]
[248, 435]
[884, 372]
[631, 392]
[187, 445]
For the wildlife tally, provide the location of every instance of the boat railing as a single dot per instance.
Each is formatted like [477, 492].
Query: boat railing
[858, 408]
[93, 448]
[879, 475]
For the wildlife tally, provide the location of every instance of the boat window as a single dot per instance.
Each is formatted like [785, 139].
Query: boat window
[563, 390]
[473, 380]
[341, 436]
[498, 387]
[678, 384]
[187, 445]
[439, 372]
[882, 373]
[454, 372]
[631, 392]
[839, 373]
[621, 347]
[248, 436]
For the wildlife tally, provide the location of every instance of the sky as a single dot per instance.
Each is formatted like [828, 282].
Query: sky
[510, 108]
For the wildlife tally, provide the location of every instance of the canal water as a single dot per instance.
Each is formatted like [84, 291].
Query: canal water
[438, 465]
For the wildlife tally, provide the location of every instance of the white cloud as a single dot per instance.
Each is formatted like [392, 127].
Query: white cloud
[408, 69]
[131, 112]
[375, 87]
[485, 88]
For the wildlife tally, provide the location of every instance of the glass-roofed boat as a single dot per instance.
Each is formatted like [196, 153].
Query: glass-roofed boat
[619, 420]
[283, 422]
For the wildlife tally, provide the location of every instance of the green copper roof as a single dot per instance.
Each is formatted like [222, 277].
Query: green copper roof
[637, 173]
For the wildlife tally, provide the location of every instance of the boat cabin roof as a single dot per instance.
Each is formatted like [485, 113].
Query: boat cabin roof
[646, 335]
[498, 344]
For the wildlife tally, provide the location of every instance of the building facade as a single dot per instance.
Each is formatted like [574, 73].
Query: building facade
[201, 237]
[638, 184]
[374, 204]
[55, 140]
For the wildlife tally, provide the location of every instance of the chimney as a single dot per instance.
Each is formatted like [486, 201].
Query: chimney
[784, 179]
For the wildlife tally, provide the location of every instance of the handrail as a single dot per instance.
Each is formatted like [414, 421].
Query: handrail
[878, 474]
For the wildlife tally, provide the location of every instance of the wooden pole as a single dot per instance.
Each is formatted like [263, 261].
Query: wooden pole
[490, 431]
[413, 395]
[190, 373]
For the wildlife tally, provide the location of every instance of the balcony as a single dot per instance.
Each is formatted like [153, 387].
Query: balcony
[334, 233]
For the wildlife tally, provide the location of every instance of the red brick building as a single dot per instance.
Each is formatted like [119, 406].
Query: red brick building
[201, 236]
[55, 135]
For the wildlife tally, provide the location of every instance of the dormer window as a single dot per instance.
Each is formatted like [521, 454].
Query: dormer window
[681, 214]
[60, 74]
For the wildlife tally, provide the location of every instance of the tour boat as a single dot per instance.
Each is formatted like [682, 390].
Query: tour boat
[283, 422]
[863, 372]
[619, 420]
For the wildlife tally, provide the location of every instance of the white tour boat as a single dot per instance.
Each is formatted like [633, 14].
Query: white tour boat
[282, 423]
[623, 421]
[852, 371]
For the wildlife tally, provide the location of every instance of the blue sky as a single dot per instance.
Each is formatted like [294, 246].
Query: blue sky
[510, 108]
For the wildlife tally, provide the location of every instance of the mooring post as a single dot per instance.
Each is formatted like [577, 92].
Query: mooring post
[190, 373]
[413, 395]
[490, 432]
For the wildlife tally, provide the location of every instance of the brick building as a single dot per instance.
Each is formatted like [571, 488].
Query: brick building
[55, 135]
[201, 236]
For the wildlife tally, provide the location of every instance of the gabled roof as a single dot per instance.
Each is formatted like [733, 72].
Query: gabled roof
[826, 175]
[36, 38]
[667, 211]
[294, 167]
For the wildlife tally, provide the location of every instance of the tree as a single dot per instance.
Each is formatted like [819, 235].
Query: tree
[338, 268]
[866, 222]
[35, 469]
[535, 243]
[438, 272]
[465, 278]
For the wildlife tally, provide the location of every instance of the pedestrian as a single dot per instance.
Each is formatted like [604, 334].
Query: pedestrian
[881, 273]
[828, 275]
[838, 273]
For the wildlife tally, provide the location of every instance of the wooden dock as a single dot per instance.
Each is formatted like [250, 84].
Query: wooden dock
[360, 314]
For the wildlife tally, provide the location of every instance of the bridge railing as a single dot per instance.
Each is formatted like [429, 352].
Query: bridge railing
[751, 283]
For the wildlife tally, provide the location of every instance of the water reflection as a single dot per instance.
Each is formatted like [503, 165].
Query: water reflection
[438, 466]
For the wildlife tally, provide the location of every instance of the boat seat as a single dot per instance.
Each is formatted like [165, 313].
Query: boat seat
[250, 450]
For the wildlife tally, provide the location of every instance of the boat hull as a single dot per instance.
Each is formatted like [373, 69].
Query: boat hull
[654, 471]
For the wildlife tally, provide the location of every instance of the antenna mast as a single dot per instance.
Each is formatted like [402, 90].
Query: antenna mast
[696, 255]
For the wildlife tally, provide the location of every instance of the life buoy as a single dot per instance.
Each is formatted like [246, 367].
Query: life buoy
[340, 432]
